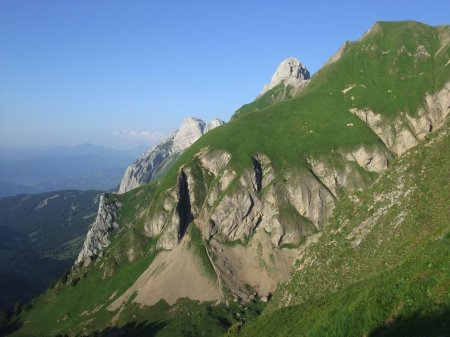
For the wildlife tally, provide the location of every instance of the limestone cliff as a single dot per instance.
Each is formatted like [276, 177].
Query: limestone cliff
[97, 237]
[157, 159]
[262, 206]
[266, 208]
[407, 130]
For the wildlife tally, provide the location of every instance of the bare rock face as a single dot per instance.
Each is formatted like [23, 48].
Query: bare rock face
[146, 168]
[348, 170]
[191, 129]
[290, 72]
[233, 206]
[375, 159]
[98, 235]
[158, 159]
[213, 124]
[258, 205]
[406, 131]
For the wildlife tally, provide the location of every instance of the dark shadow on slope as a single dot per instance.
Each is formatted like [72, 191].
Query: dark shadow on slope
[5, 330]
[418, 325]
[184, 205]
[133, 329]
[258, 174]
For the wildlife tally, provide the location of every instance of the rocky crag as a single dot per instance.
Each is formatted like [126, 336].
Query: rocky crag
[97, 237]
[290, 79]
[381, 260]
[156, 160]
[291, 72]
[141, 172]
[272, 208]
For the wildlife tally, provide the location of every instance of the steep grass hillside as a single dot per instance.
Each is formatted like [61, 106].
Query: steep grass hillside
[387, 73]
[381, 266]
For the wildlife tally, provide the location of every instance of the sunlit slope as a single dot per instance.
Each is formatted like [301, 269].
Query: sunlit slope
[389, 70]
[381, 266]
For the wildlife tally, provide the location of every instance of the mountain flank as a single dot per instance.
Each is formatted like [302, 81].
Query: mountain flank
[380, 267]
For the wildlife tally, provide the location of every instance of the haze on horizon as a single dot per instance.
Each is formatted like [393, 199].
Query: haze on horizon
[123, 74]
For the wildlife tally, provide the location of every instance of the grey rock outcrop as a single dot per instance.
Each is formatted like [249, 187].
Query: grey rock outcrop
[97, 237]
[191, 129]
[233, 206]
[288, 206]
[407, 130]
[349, 170]
[158, 159]
[214, 123]
[290, 72]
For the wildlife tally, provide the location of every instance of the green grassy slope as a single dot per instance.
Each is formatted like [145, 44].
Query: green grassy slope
[396, 282]
[389, 78]
[315, 122]
[274, 95]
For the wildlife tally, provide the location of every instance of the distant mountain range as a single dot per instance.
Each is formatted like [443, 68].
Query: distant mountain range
[43, 169]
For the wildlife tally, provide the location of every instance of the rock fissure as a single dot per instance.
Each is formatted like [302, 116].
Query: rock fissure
[258, 174]
[249, 210]
[184, 205]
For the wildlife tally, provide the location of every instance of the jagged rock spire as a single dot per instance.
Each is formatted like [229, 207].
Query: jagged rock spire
[291, 72]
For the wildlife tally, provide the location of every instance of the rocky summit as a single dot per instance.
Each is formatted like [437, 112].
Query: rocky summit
[156, 160]
[290, 72]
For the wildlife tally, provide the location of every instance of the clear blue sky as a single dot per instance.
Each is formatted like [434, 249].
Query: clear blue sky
[123, 73]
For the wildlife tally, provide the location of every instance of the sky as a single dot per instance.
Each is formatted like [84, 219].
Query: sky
[126, 73]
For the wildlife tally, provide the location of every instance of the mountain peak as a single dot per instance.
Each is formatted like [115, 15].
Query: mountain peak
[290, 72]
[158, 158]
[191, 121]
[190, 130]
[214, 123]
